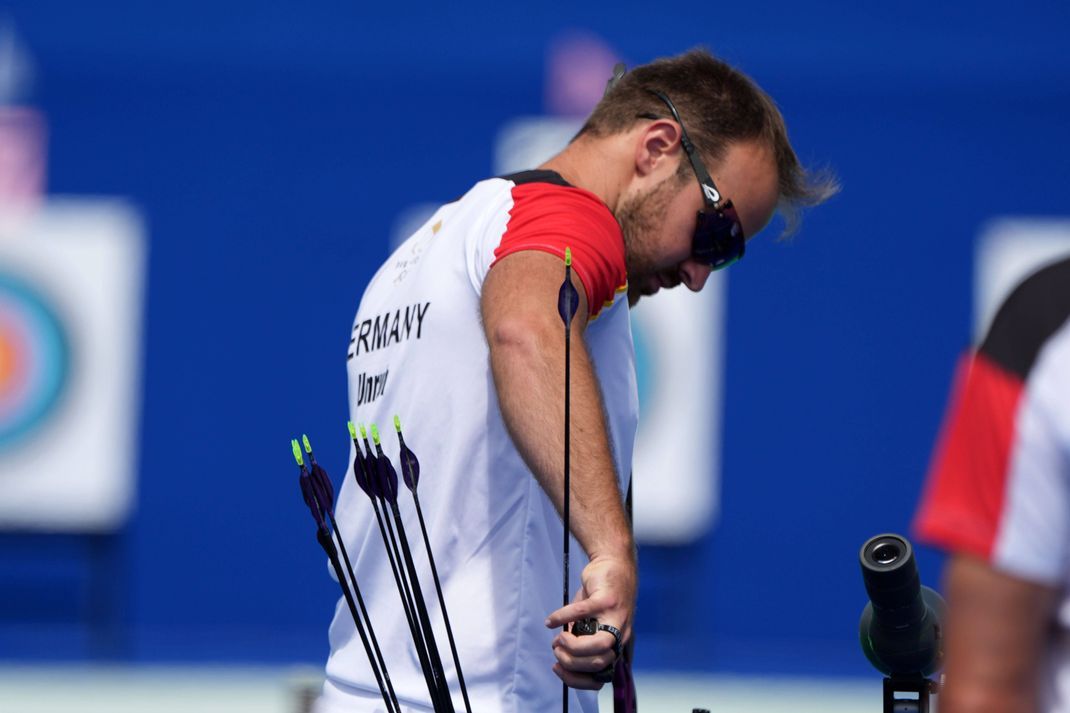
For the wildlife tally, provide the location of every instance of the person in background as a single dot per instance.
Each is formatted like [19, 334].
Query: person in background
[998, 500]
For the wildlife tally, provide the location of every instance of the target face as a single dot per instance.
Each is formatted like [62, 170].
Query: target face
[34, 359]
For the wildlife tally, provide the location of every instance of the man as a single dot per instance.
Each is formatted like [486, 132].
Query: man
[998, 499]
[459, 333]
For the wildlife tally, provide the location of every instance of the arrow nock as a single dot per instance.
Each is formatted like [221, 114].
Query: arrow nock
[297, 452]
[397, 423]
[308, 446]
[375, 434]
[352, 430]
[568, 257]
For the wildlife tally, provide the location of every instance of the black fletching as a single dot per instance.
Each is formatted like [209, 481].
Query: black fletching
[388, 477]
[324, 489]
[568, 301]
[359, 471]
[410, 465]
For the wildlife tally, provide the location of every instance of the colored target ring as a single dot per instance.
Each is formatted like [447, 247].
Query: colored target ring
[34, 359]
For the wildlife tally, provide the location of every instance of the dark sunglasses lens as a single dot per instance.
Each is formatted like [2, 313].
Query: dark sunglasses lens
[719, 240]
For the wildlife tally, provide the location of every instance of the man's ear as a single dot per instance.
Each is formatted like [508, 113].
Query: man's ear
[659, 142]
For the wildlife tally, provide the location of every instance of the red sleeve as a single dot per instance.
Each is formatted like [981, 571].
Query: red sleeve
[551, 217]
[963, 500]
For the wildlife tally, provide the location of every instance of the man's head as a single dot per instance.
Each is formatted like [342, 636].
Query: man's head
[737, 135]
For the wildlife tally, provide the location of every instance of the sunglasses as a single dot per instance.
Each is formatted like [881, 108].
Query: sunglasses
[718, 240]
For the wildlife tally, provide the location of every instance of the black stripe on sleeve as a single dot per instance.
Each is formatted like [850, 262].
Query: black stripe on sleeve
[1036, 309]
[537, 176]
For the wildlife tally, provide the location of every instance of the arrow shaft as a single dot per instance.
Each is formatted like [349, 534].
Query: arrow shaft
[421, 606]
[327, 543]
[412, 613]
[442, 603]
[394, 558]
[364, 613]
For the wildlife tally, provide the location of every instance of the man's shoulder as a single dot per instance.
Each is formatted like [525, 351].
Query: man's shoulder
[1027, 320]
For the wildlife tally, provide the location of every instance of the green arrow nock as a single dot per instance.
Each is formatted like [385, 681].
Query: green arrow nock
[397, 423]
[568, 257]
[375, 434]
[352, 430]
[308, 446]
[297, 452]
[363, 431]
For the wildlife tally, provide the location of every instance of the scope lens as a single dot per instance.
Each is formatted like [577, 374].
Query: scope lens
[886, 553]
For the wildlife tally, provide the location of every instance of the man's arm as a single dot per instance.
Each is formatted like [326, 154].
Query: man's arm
[527, 356]
[996, 633]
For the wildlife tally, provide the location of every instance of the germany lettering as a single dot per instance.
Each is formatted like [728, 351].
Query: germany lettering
[387, 329]
[370, 387]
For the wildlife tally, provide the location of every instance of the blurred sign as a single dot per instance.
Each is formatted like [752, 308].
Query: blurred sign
[678, 338]
[22, 163]
[578, 63]
[71, 283]
[527, 141]
[1008, 251]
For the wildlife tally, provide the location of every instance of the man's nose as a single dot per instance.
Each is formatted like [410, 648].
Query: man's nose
[694, 274]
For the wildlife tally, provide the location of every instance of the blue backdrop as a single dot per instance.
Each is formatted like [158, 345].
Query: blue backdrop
[272, 145]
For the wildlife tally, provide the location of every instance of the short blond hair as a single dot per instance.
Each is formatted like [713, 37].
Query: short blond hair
[719, 106]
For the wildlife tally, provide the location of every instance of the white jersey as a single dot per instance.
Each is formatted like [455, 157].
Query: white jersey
[418, 350]
[1000, 484]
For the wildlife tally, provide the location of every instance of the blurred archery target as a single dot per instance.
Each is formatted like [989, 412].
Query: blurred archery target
[34, 359]
[71, 300]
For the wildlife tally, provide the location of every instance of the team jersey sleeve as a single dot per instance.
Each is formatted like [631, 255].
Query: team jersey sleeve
[549, 217]
[963, 499]
[999, 487]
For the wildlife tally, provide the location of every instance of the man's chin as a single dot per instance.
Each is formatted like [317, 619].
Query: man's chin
[637, 293]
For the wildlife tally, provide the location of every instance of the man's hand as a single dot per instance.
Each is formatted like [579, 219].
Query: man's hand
[608, 594]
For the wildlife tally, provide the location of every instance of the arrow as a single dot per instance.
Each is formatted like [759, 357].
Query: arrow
[568, 301]
[410, 471]
[366, 465]
[388, 478]
[318, 494]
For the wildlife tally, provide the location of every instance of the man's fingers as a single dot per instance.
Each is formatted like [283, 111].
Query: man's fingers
[576, 611]
[584, 664]
[595, 645]
[583, 681]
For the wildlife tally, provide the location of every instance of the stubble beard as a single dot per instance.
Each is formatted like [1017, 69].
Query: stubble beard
[641, 218]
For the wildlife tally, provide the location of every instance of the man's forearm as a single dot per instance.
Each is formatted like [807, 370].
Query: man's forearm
[996, 632]
[528, 363]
